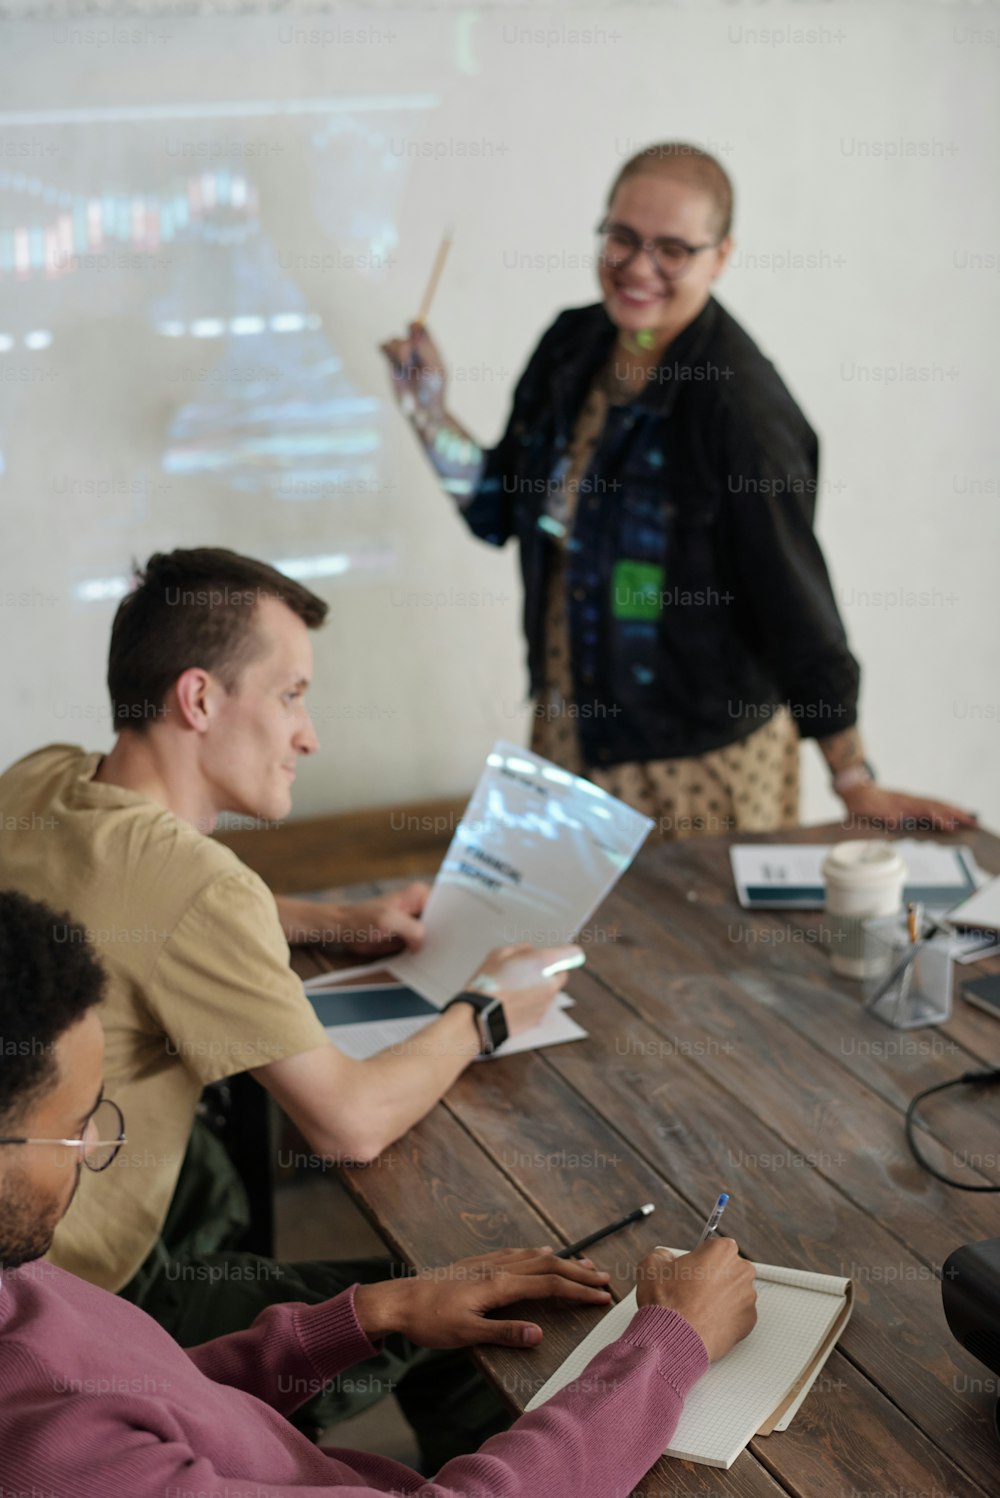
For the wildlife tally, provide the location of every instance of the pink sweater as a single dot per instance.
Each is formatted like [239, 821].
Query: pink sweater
[97, 1401]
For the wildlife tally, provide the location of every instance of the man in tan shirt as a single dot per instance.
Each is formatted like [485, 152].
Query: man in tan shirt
[200, 984]
[209, 663]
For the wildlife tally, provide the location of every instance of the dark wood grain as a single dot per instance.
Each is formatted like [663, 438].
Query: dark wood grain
[436, 1198]
[747, 1478]
[795, 981]
[680, 1119]
[854, 1446]
[717, 1060]
[825, 1115]
[851, 1442]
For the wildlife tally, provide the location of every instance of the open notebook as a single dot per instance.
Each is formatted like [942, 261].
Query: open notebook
[758, 1386]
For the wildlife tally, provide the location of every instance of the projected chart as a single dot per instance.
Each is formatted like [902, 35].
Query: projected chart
[171, 280]
[61, 229]
[279, 412]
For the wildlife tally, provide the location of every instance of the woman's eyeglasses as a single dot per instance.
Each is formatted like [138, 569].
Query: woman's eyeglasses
[95, 1151]
[671, 258]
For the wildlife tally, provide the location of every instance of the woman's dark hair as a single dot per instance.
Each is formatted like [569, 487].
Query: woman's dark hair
[192, 608]
[49, 978]
[688, 164]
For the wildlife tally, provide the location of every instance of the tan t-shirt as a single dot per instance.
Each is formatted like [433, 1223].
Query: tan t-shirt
[199, 984]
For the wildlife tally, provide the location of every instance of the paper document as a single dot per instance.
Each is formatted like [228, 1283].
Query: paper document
[534, 855]
[760, 1384]
[365, 1019]
[973, 946]
[981, 910]
[789, 876]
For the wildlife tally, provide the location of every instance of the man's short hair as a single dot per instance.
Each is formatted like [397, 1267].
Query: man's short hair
[192, 608]
[690, 164]
[49, 978]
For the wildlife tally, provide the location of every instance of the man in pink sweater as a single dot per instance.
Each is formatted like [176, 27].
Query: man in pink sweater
[97, 1401]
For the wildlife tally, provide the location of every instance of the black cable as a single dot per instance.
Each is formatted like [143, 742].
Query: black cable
[972, 1078]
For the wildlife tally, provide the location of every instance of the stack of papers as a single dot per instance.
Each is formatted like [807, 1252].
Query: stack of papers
[981, 910]
[789, 876]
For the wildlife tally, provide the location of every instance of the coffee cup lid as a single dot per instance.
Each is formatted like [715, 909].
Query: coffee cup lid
[863, 860]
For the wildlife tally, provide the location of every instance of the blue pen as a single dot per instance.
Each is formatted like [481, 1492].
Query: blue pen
[714, 1218]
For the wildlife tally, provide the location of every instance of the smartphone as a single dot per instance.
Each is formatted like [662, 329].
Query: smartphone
[985, 994]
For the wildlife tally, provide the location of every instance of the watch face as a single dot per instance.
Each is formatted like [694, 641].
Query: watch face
[496, 1024]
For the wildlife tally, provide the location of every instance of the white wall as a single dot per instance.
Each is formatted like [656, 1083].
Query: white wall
[864, 137]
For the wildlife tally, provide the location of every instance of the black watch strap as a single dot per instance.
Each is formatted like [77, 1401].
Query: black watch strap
[490, 1018]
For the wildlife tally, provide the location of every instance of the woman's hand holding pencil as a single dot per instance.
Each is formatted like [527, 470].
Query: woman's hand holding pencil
[418, 375]
[419, 379]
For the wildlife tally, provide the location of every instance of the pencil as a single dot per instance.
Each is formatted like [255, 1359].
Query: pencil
[432, 284]
[572, 1249]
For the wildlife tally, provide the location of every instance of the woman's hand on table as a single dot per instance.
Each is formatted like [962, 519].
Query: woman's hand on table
[449, 1306]
[874, 806]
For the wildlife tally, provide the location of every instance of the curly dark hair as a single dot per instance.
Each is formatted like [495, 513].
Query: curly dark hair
[49, 978]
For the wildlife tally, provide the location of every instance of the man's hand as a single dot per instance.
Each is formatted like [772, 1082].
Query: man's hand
[368, 928]
[514, 976]
[712, 1288]
[873, 806]
[448, 1307]
[386, 924]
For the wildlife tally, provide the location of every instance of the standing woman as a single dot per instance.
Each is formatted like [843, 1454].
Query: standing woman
[661, 482]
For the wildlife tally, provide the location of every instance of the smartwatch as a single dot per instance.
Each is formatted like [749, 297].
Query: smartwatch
[490, 1019]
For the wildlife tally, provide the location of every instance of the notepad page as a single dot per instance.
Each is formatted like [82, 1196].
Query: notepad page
[795, 1311]
[821, 1359]
[801, 1279]
[726, 1408]
[608, 1330]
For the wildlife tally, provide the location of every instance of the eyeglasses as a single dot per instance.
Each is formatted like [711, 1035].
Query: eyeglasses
[671, 258]
[96, 1152]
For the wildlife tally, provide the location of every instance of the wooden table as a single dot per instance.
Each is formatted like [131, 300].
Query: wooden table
[723, 1052]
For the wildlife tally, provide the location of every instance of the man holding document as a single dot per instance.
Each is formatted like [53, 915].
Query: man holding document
[533, 856]
[209, 663]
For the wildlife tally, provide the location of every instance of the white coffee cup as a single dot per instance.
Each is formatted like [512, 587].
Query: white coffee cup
[863, 879]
